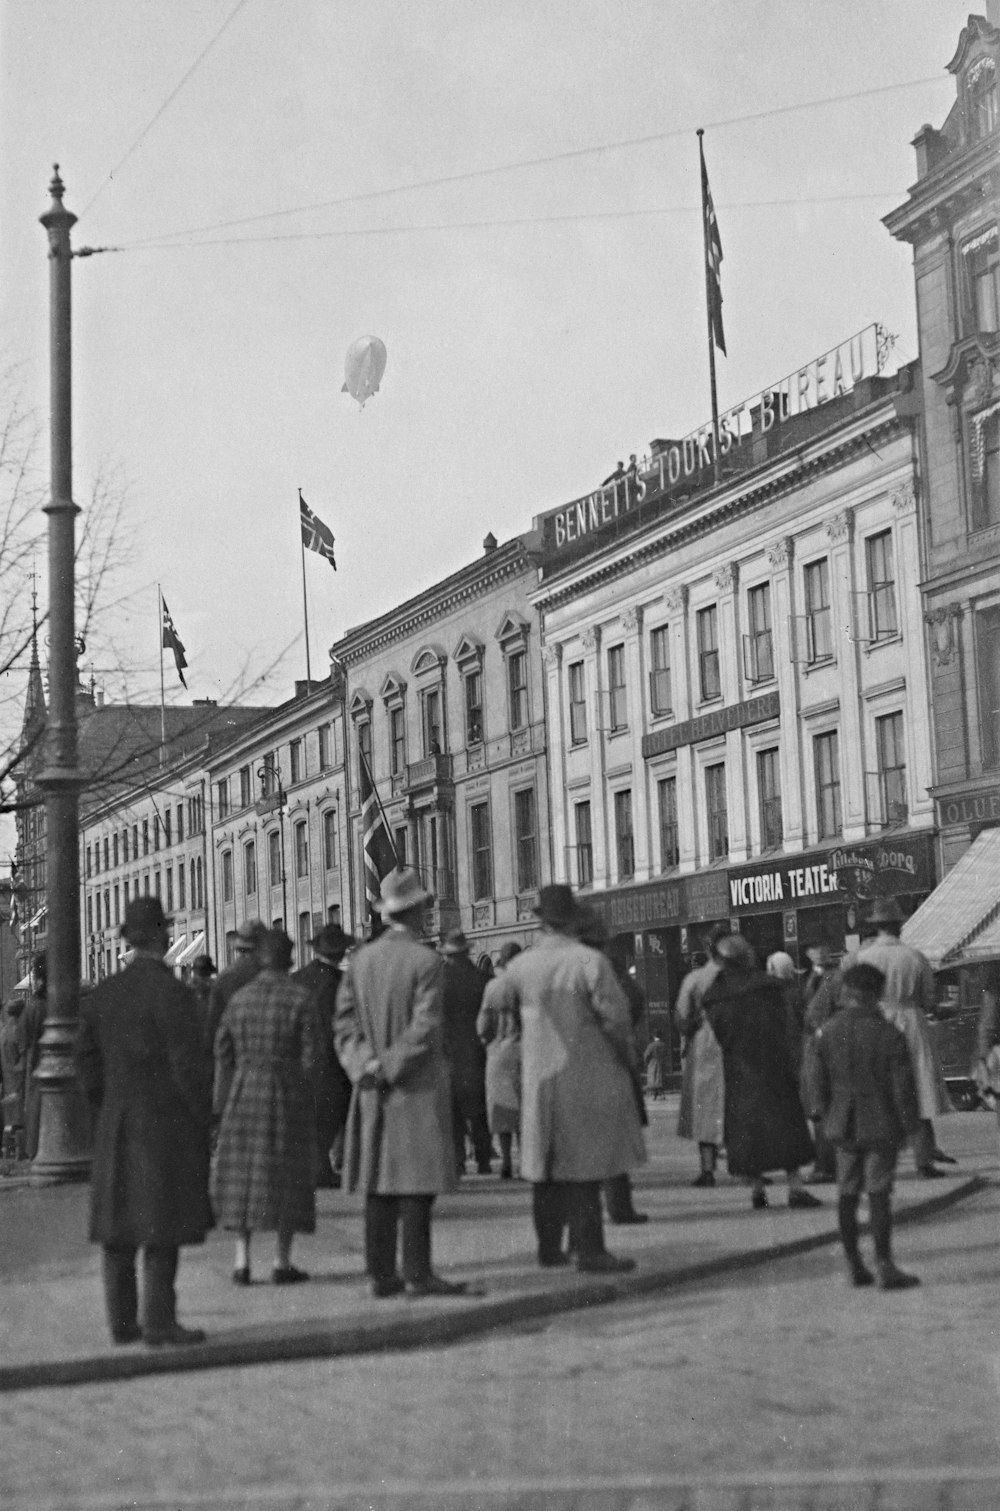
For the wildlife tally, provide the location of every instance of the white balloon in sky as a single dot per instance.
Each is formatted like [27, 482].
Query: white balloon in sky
[363, 367]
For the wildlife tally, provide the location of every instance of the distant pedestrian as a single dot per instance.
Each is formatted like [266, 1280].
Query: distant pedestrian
[389, 1033]
[141, 1062]
[499, 1029]
[702, 1105]
[579, 1121]
[246, 964]
[32, 1026]
[12, 1078]
[464, 986]
[765, 1126]
[865, 1090]
[264, 1178]
[322, 978]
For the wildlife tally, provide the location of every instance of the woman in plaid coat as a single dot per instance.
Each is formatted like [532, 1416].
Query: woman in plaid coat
[265, 1170]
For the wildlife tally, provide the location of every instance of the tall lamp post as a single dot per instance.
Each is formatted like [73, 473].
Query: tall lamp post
[64, 1130]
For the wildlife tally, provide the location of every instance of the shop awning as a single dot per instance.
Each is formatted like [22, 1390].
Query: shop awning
[170, 958]
[962, 907]
[192, 951]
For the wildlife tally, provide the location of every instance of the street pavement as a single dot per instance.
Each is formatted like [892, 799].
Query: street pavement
[52, 1327]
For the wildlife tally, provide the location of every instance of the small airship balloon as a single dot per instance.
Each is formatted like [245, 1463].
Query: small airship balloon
[363, 368]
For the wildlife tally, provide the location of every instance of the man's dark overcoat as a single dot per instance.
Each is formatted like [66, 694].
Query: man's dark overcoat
[765, 1126]
[141, 1061]
[333, 1086]
[861, 1080]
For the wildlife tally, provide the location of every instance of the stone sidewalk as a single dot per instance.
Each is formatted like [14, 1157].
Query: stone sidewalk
[51, 1323]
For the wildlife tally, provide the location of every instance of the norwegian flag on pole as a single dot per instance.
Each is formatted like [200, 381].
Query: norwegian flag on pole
[315, 535]
[376, 846]
[713, 257]
[172, 641]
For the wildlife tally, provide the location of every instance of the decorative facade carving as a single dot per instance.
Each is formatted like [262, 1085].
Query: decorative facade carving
[676, 599]
[840, 525]
[944, 632]
[726, 577]
[591, 639]
[632, 620]
[780, 554]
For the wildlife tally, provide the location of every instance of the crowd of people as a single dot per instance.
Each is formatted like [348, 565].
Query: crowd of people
[388, 1066]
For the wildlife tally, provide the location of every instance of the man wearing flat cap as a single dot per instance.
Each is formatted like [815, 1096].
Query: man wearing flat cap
[246, 964]
[141, 1061]
[389, 1033]
[321, 977]
[463, 997]
[579, 1119]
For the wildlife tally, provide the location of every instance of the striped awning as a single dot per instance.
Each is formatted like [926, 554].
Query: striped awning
[170, 958]
[955, 917]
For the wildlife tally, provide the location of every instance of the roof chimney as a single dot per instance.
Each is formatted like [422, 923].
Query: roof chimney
[490, 543]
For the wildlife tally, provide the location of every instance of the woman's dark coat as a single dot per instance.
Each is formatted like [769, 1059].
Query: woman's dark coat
[765, 1126]
[141, 1061]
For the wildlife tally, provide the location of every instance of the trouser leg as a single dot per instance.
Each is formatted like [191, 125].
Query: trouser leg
[159, 1295]
[586, 1220]
[923, 1145]
[415, 1213]
[618, 1197]
[121, 1297]
[381, 1218]
[548, 1206]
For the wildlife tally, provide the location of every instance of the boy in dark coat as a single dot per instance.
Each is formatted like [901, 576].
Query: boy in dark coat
[863, 1085]
[141, 1061]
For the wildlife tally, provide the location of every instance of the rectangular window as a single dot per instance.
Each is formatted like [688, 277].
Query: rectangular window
[181, 893]
[881, 585]
[482, 850]
[617, 691]
[526, 839]
[717, 811]
[769, 796]
[891, 753]
[709, 674]
[517, 688]
[433, 728]
[301, 849]
[330, 839]
[474, 708]
[670, 853]
[819, 619]
[295, 763]
[246, 787]
[397, 741]
[624, 837]
[274, 866]
[759, 641]
[584, 845]
[227, 875]
[577, 703]
[660, 691]
[826, 758]
[324, 747]
[222, 797]
[250, 868]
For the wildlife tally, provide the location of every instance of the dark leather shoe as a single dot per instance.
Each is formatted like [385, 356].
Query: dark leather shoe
[391, 1285]
[130, 1334]
[433, 1285]
[173, 1337]
[242, 1276]
[287, 1275]
[802, 1200]
[604, 1264]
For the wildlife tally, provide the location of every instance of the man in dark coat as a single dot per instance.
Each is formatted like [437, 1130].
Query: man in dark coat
[862, 1082]
[31, 1028]
[463, 997]
[244, 968]
[141, 1061]
[333, 1087]
[765, 1126]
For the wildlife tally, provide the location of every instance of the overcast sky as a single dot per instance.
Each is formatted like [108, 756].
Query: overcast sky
[525, 357]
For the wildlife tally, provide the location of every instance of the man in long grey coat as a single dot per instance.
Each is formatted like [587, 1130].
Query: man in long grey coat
[141, 1061]
[579, 1119]
[389, 1035]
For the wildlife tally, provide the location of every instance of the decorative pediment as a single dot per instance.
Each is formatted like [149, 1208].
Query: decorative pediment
[970, 376]
[468, 651]
[428, 661]
[361, 705]
[393, 689]
[514, 630]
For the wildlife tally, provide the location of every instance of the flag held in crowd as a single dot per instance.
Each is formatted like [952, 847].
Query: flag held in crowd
[377, 847]
[713, 256]
[315, 535]
[172, 641]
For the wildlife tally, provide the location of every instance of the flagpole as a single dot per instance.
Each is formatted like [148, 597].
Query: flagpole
[708, 307]
[305, 604]
[163, 696]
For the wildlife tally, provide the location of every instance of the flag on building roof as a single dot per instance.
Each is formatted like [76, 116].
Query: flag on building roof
[315, 535]
[172, 641]
[376, 845]
[713, 257]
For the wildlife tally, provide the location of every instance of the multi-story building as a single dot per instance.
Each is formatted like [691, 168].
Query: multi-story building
[738, 719]
[445, 708]
[952, 220]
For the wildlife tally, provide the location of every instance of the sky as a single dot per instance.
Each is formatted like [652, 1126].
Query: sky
[505, 191]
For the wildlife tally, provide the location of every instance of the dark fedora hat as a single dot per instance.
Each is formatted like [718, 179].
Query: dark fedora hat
[558, 906]
[144, 916]
[332, 941]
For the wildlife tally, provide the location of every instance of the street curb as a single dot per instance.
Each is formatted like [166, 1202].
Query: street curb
[395, 1331]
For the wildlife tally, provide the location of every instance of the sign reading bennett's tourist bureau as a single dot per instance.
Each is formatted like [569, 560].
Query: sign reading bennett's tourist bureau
[707, 726]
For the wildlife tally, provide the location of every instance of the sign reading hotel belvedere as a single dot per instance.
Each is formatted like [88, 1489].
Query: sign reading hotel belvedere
[685, 465]
[718, 722]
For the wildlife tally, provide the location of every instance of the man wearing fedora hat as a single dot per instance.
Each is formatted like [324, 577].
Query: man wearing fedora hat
[579, 1119]
[908, 996]
[321, 977]
[141, 1061]
[464, 986]
[389, 1033]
